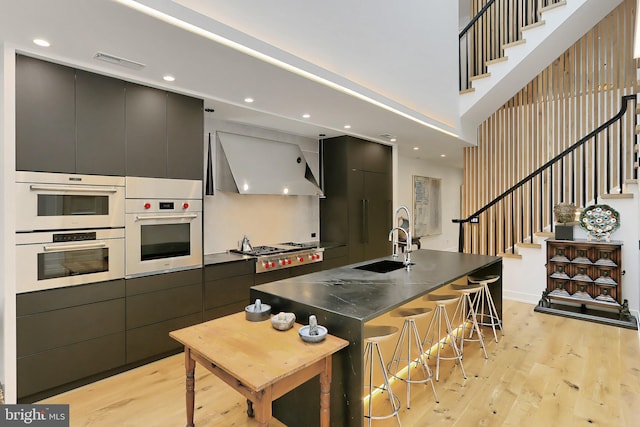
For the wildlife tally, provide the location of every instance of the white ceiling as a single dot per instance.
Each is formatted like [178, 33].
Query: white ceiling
[396, 61]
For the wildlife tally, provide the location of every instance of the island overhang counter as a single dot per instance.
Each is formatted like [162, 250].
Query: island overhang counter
[343, 299]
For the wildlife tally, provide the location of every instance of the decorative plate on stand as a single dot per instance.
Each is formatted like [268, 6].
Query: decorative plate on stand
[599, 221]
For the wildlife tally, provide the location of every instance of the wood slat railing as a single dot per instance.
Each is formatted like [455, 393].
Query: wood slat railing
[495, 23]
[596, 164]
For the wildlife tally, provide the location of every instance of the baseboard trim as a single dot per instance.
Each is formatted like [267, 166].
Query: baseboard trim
[521, 297]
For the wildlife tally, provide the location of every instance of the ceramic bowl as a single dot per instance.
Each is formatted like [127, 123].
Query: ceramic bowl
[257, 312]
[306, 337]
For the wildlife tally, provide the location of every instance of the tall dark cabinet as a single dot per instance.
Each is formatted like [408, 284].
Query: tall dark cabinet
[357, 209]
[45, 116]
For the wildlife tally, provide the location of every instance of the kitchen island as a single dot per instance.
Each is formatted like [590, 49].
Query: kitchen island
[343, 299]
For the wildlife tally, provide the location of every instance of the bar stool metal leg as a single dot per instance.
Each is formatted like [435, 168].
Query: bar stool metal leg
[372, 336]
[434, 336]
[485, 300]
[465, 311]
[409, 335]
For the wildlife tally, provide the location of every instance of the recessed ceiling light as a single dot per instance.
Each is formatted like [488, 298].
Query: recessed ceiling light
[285, 190]
[393, 140]
[248, 100]
[306, 115]
[42, 42]
[347, 126]
[416, 148]
[443, 155]
[168, 78]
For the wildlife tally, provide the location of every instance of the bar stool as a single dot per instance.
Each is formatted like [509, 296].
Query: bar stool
[434, 332]
[373, 335]
[484, 300]
[466, 312]
[409, 333]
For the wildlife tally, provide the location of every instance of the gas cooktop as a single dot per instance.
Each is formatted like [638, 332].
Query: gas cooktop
[283, 255]
[275, 249]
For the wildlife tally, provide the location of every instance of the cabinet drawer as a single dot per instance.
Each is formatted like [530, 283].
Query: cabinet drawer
[272, 276]
[154, 340]
[58, 328]
[153, 307]
[54, 299]
[229, 269]
[159, 282]
[45, 370]
[224, 310]
[226, 291]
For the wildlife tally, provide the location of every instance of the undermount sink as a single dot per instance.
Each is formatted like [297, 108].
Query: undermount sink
[384, 266]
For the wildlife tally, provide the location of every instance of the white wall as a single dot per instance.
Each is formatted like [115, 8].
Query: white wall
[265, 219]
[451, 183]
[7, 229]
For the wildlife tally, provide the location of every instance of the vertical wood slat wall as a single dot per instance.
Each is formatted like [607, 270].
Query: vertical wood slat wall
[579, 91]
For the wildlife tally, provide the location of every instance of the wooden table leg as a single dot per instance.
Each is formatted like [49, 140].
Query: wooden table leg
[190, 366]
[262, 406]
[250, 412]
[325, 396]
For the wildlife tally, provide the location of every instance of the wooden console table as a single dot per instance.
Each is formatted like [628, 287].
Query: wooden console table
[256, 360]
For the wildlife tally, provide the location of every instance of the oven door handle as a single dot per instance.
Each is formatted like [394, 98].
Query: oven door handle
[176, 216]
[74, 247]
[74, 188]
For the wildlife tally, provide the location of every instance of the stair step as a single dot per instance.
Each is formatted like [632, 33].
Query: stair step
[480, 76]
[545, 234]
[529, 245]
[552, 6]
[532, 26]
[637, 128]
[497, 61]
[515, 43]
[469, 90]
[617, 196]
[510, 255]
[637, 108]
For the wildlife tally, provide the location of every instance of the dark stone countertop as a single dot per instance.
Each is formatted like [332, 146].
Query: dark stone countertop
[364, 295]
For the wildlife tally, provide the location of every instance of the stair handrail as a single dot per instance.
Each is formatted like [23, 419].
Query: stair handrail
[521, 7]
[474, 216]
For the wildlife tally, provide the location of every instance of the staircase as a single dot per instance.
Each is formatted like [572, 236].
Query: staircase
[511, 58]
[600, 168]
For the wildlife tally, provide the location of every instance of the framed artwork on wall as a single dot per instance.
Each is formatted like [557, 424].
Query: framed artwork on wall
[427, 206]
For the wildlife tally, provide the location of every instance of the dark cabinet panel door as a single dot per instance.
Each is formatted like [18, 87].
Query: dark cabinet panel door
[100, 124]
[185, 137]
[45, 116]
[357, 209]
[377, 193]
[146, 138]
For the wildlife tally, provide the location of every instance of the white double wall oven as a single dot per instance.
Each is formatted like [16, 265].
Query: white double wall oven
[75, 229]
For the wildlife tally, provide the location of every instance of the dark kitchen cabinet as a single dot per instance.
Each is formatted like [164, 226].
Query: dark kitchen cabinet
[73, 121]
[357, 209]
[165, 134]
[226, 287]
[67, 334]
[45, 116]
[157, 305]
[185, 137]
[146, 131]
[100, 125]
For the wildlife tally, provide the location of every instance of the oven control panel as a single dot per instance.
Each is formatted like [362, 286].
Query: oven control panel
[288, 259]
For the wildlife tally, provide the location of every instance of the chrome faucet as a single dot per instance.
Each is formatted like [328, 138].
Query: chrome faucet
[407, 254]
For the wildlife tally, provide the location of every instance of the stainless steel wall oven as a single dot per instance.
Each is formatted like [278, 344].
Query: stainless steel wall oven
[52, 201]
[163, 225]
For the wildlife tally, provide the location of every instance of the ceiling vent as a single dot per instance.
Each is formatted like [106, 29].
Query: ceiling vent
[386, 136]
[127, 63]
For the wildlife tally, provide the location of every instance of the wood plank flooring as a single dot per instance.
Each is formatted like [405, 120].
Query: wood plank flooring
[546, 371]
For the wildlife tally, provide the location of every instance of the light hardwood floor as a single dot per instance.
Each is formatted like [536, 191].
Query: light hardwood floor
[546, 371]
